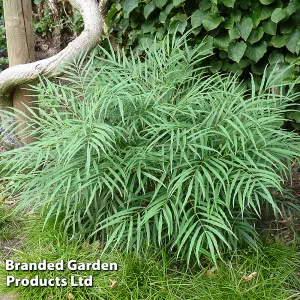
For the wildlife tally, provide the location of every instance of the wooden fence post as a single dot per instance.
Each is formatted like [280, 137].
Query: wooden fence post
[20, 46]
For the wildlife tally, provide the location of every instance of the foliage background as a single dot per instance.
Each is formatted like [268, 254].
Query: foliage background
[244, 35]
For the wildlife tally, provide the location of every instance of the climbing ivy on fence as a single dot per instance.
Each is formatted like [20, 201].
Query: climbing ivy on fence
[244, 35]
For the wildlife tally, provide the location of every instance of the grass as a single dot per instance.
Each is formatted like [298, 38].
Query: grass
[150, 276]
[9, 222]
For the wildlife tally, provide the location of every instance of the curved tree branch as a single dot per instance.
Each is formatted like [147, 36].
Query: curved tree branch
[86, 41]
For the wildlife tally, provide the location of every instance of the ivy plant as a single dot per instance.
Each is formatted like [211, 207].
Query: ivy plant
[244, 35]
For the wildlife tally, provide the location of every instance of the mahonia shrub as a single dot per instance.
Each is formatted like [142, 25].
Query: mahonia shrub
[153, 151]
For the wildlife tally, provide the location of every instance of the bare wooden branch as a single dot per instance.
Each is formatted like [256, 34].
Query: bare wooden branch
[86, 41]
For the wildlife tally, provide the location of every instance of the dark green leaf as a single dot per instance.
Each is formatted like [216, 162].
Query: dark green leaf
[229, 23]
[211, 21]
[278, 14]
[148, 26]
[205, 4]
[222, 42]
[237, 15]
[269, 27]
[234, 34]
[260, 13]
[237, 50]
[256, 35]
[178, 22]
[276, 57]
[293, 41]
[129, 5]
[160, 3]
[228, 3]
[148, 9]
[245, 27]
[293, 7]
[278, 41]
[257, 51]
[215, 66]
[196, 19]
[290, 58]
[177, 2]
[223, 54]
[266, 2]
[287, 27]
[244, 62]
[160, 33]
[164, 13]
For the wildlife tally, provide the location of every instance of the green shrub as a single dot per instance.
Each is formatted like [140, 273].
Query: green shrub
[154, 151]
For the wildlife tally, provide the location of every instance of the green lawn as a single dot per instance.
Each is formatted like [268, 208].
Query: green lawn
[150, 276]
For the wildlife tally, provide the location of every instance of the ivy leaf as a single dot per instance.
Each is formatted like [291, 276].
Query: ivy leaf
[179, 22]
[205, 4]
[228, 3]
[177, 2]
[257, 51]
[211, 21]
[290, 58]
[293, 41]
[215, 66]
[164, 13]
[276, 57]
[245, 27]
[256, 35]
[269, 27]
[278, 14]
[287, 27]
[148, 9]
[293, 7]
[260, 13]
[266, 2]
[148, 26]
[129, 6]
[236, 50]
[222, 42]
[229, 22]
[237, 15]
[196, 19]
[244, 62]
[278, 41]
[160, 3]
[234, 34]
[160, 32]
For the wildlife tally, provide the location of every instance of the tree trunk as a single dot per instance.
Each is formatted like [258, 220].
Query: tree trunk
[86, 41]
[20, 48]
